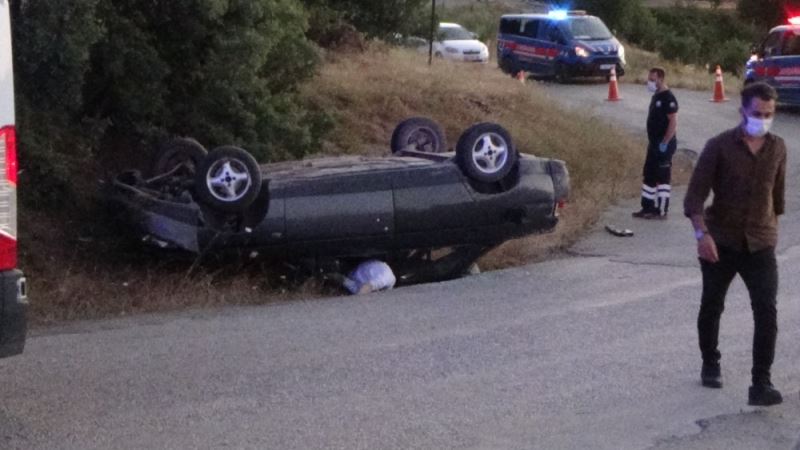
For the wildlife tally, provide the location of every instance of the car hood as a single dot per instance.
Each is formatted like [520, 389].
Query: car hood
[605, 46]
[465, 45]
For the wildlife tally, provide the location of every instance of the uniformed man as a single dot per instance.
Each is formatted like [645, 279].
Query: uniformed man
[662, 123]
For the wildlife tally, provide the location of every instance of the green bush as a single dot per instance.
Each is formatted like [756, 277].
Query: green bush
[766, 14]
[704, 37]
[679, 47]
[97, 79]
[51, 58]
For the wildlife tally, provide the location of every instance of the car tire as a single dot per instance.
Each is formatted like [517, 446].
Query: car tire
[486, 153]
[228, 179]
[419, 134]
[176, 151]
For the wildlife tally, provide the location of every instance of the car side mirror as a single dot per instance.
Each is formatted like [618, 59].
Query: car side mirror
[474, 35]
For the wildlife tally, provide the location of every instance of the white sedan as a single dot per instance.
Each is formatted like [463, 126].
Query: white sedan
[456, 43]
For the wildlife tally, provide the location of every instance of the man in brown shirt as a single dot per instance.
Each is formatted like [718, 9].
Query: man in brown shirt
[745, 167]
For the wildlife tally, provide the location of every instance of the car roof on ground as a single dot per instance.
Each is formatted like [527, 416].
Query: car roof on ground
[449, 25]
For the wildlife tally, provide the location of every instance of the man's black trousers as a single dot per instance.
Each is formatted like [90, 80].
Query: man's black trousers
[759, 271]
[656, 175]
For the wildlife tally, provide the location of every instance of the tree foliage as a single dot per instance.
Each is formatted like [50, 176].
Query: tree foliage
[379, 19]
[767, 13]
[96, 73]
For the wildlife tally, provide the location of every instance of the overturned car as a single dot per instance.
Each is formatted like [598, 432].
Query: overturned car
[428, 212]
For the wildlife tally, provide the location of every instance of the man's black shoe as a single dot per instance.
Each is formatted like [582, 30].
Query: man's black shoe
[764, 395]
[711, 376]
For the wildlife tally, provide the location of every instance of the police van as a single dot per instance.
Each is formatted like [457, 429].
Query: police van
[776, 61]
[559, 44]
[13, 298]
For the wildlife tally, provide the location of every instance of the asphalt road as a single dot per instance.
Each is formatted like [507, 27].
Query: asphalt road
[594, 350]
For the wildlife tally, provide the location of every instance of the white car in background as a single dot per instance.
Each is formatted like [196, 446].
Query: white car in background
[454, 42]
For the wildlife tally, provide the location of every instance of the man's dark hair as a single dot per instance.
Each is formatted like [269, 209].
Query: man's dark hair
[659, 71]
[759, 89]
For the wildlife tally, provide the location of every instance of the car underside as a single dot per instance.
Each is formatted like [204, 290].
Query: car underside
[420, 210]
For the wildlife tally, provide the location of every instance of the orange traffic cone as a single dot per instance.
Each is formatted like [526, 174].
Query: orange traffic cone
[613, 89]
[521, 76]
[719, 89]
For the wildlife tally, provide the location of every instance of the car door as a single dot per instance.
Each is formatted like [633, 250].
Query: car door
[352, 205]
[432, 199]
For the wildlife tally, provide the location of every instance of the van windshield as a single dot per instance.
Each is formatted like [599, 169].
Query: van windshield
[454, 34]
[588, 28]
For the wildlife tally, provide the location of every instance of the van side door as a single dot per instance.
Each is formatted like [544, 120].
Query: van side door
[553, 43]
[507, 41]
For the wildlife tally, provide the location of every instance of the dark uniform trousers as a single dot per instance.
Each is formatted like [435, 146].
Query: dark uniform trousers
[759, 271]
[657, 176]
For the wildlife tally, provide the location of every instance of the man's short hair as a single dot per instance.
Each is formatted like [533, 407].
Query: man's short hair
[659, 71]
[759, 89]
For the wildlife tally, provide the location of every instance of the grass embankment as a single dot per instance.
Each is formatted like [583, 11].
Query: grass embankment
[679, 75]
[80, 269]
[371, 93]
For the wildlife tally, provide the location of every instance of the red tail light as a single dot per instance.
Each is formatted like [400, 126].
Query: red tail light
[10, 136]
[8, 203]
[8, 252]
[561, 204]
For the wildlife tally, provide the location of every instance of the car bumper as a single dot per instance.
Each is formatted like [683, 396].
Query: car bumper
[594, 69]
[477, 58]
[14, 313]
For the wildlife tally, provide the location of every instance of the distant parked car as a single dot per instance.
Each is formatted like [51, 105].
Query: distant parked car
[456, 43]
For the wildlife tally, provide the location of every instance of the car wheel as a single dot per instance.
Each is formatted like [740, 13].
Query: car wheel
[178, 151]
[486, 153]
[228, 179]
[418, 134]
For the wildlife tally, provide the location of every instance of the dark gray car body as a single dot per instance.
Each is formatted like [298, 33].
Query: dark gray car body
[359, 206]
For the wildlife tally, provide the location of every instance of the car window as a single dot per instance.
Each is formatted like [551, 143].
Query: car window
[454, 34]
[531, 28]
[553, 34]
[791, 46]
[510, 26]
[772, 42]
[588, 28]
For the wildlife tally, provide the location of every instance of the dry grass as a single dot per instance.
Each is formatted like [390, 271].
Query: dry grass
[679, 75]
[371, 92]
[81, 270]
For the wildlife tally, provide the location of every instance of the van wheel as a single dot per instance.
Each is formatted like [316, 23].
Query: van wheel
[178, 151]
[418, 134]
[228, 179]
[506, 66]
[561, 76]
[486, 153]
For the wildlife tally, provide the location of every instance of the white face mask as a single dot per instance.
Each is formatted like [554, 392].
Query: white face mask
[651, 86]
[757, 127]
